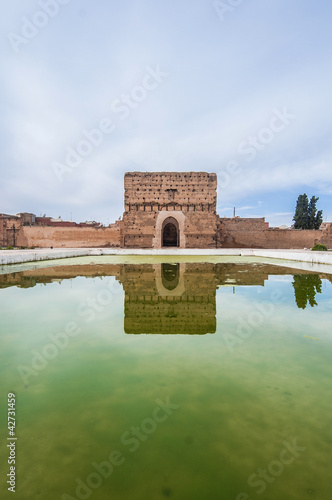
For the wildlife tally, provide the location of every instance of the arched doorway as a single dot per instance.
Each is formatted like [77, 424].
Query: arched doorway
[170, 233]
[164, 217]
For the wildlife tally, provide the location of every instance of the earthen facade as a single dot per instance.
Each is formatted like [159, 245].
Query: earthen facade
[162, 209]
[176, 209]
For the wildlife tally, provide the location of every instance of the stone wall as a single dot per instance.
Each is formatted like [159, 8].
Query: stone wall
[251, 233]
[242, 224]
[157, 189]
[68, 237]
[139, 229]
[189, 198]
[9, 229]
[182, 202]
[327, 236]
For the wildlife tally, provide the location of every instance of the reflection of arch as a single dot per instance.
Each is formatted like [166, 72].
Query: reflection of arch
[163, 288]
[170, 236]
[170, 275]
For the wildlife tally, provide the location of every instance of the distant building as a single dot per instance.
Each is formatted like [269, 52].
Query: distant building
[9, 227]
[170, 209]
[27, 218]
[162, 210]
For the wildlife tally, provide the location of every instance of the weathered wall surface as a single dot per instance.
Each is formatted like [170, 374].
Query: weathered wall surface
[250, 233]
[138, 229]
[273, 238]
[183, 203]
[9, 227]
[242, 224]
[189, 197]
[68, 237]
[165, 188]
[201, 230]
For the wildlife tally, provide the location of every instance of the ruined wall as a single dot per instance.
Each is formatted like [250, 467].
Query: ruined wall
[201, 230]
[250, 233]
[327, 236]
[275, 238]
[242, 224]
[139, 229]
[68, 237]
[152, 200]
[189, 197]
[9, 229]
[162, 188]
[3, 235]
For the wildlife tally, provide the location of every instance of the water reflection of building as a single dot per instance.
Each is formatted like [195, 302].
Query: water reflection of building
[169, 299]
[173, 298]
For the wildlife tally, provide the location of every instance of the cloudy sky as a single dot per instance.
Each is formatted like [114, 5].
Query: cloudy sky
[91, 89]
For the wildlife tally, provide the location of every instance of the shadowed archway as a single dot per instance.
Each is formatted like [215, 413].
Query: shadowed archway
[170, 233]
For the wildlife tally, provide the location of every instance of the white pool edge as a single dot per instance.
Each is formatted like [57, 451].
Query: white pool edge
[21, 256]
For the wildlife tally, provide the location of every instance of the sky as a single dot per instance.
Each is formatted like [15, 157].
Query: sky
[91, 89]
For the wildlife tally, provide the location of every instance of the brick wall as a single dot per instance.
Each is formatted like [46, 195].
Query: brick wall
[250, 233]
[162, 188]
[242, 224]
[9, 229]
[68, 237]
[188, 197]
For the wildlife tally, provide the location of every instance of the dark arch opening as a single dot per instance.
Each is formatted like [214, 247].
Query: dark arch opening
[170, 235]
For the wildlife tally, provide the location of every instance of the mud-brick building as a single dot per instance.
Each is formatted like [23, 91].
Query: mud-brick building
[10, 226]
[175, 209]
[162, 209]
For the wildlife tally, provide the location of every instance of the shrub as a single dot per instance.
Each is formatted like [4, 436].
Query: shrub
[319, 248]
[9, 248]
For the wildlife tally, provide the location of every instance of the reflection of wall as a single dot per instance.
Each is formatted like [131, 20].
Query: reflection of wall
[170, 277]
[218, 274]
[174, 299]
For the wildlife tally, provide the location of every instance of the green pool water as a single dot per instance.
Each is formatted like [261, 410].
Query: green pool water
[167, 380]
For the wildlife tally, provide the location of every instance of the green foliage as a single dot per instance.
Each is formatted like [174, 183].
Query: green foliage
[9, 248]
[319, 248]
[314, 218]
[301, 212]
[305, 287]
[306, 215]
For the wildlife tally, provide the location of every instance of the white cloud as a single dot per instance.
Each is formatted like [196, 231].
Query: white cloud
[223, 85]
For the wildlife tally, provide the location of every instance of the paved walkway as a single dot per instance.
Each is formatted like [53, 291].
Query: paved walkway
[21, 256]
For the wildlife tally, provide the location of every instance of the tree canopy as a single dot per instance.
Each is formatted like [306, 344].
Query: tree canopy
[306, 215]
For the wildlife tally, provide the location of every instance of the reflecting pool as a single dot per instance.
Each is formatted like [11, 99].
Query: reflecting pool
[168, 380]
